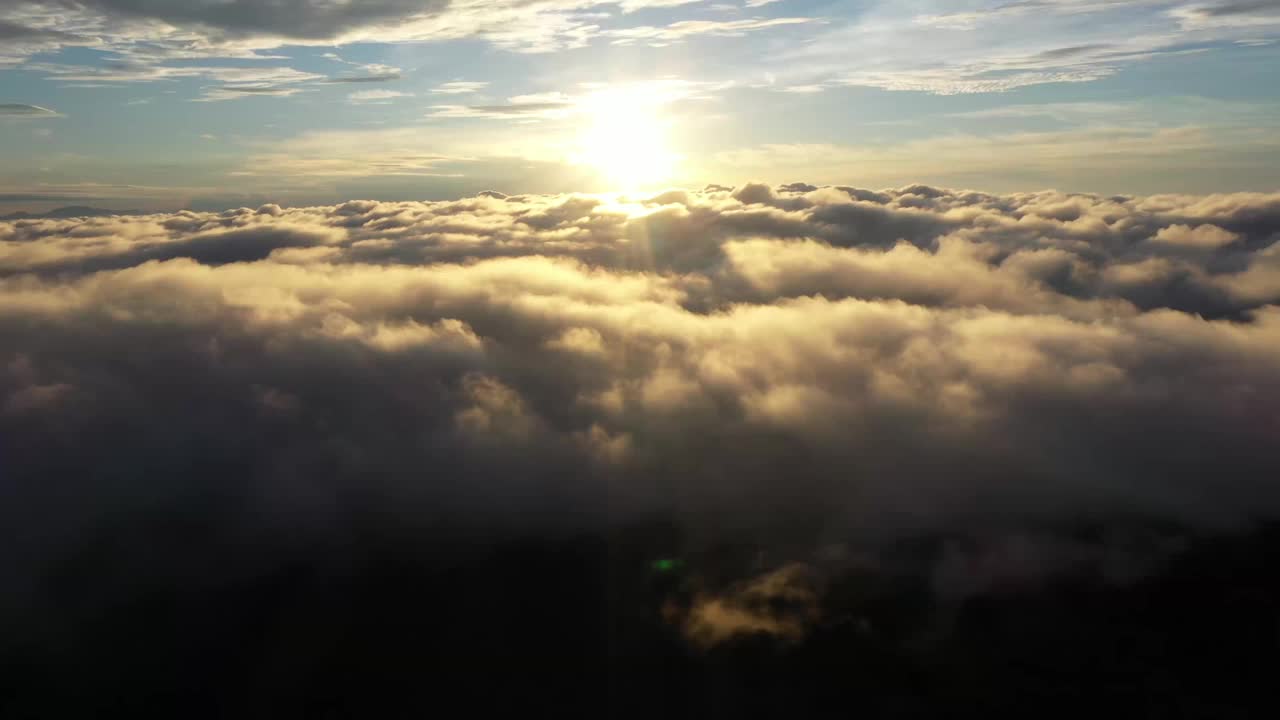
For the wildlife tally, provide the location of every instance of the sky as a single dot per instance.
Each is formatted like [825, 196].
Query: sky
[156, 105]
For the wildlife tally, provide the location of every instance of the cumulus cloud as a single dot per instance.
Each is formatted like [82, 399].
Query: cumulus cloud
[1202, 236]
[917, 357]
[1003, 390]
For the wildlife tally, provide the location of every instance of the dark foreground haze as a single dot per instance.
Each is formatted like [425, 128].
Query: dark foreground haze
[797, 451]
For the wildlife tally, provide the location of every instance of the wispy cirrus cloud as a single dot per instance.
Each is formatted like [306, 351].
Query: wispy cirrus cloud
[20, 110]
[677, 31]
[376, 96]
[586, 98]
[233, 81]
[319, 157]
[549, 105]
[1002, 46]
[460, 87]
[1229, 14]
[373, 73]
[167, 31]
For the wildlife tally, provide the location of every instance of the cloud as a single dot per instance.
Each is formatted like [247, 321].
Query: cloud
[1202, 236]
[459, 87]
[192, 400]
[235, 81]
[232, 92]
[992, 47]
[965, 81]
[680, 30]
[159, 32]
[1242, 14]
[522, 109]
[18, 110]
[19, 41]
[1110, 154]
[588, 98]
[369, 74]
[77, 193]
[387, 77]
[634, 5]
[376, 96]
[803, 89]
[269, 80]
[782, 604]
[1063, 112]
[921, 354]
[292, 19]
[1004, 10]
[14, 32]
[315, 159]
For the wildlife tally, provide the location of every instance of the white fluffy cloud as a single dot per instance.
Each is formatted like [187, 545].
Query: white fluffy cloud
[961, 391]
[919, 354]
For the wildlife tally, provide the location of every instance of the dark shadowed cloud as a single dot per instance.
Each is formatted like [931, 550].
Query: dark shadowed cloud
[302, 19]
[1240, 7]
[10, 31]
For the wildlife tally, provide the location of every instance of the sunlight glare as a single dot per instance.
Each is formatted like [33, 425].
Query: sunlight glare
[625, 139]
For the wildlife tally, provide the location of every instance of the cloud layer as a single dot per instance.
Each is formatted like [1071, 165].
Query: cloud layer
[465, 430]
[850, 359]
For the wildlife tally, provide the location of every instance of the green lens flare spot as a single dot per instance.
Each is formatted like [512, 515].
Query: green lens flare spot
[667, 565]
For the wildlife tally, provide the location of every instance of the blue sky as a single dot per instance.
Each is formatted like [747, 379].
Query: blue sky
[159, 105]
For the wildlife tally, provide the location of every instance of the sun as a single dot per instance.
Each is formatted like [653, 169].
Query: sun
[625, 139]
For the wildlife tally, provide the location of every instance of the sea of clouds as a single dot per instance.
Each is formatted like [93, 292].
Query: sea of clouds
[823, 361]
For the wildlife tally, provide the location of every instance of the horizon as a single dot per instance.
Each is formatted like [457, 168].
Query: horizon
[46, 208]
[167, 105]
